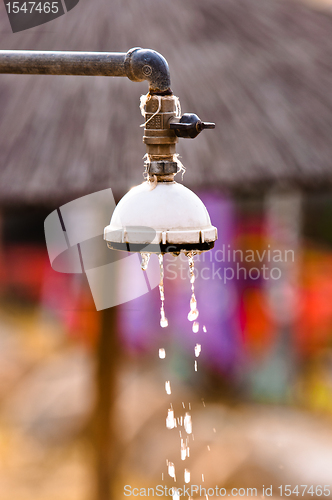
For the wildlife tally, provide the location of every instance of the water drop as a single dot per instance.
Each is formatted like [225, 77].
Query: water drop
[168, 387]
[195, 366]
[186, 476]
[187, 423]
[183, 450]
[193, 315]
[208, 447]
[170, 420]
[171, 469]
[145, 261]
[162, 353]
[198, 349]
[214, 430]
[203, 478]
[204, 329]
[195, 326]
[163, 321]
[175, 494]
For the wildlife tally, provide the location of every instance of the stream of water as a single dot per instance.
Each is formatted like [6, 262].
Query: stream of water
[184, 421]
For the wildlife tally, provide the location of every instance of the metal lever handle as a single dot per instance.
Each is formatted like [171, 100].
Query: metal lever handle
[190, 126]
[208, 125]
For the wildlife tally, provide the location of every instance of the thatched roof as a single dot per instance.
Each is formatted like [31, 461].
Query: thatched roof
[261, 69]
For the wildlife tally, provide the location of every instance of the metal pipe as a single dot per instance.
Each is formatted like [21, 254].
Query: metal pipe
[137, 64]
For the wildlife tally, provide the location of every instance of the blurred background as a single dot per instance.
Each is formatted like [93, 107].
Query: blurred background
[82, 398]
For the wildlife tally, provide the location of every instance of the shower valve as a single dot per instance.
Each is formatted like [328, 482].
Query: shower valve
[190, 126]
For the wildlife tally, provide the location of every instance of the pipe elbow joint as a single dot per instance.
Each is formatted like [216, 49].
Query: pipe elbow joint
[147, 64]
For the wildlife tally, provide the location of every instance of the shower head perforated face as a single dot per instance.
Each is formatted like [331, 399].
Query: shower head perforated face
[160, 218]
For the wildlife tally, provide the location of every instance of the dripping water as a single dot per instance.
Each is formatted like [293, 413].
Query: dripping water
[163, 319]
[171, 470]
[187, 423]
[183, 450]
[145, 261]
[195, 326]
[193, 314]
[170, 420]
[198, 349]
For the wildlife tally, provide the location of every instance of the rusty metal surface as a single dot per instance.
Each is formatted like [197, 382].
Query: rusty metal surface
[34, 62]
[137, 64]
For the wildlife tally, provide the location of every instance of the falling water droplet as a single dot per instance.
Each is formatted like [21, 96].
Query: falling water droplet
[195, 326]
[198, 349]
[145, 261]
[186, 476]
[214, 430]
[189, 406]
[168, 387]
[163, 319]
[171, 469]
[170, 420]
[193, 314]
[162, 476]
[204, 329]
[203, 478]
[208, 447]
[162, 353]
[183, 450]
[195, 366]
[188, 451]
[175, 494]
[183, 405]
[187, 423]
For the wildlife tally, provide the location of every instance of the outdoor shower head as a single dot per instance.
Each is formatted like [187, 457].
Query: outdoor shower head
[161, 215]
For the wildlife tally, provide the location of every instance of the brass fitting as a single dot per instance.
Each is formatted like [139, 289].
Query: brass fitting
[160, 140]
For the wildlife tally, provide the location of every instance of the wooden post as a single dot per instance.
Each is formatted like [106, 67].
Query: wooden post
[104, 433]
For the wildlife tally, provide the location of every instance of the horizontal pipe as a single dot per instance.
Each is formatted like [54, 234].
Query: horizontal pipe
[34, 62]
[137, 64]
